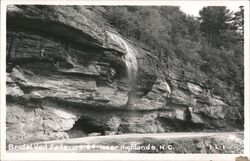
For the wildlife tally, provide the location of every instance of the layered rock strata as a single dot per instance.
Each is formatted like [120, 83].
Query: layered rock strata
[67, 78]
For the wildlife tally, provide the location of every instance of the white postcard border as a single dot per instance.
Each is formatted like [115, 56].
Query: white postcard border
[116, 156]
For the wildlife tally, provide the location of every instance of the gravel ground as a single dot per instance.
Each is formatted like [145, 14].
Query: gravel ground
[207, 143]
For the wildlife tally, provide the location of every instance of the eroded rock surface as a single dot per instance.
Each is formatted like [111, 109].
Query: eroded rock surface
[66, 78]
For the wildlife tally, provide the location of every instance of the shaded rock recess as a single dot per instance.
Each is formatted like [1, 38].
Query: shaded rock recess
[69, 75]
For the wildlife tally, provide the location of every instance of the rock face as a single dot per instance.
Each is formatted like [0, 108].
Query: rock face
[66, 78]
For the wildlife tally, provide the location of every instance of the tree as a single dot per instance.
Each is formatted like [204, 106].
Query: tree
[214, 20]
[239, 20]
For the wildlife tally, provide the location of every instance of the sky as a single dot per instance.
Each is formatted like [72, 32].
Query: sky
[193, 9]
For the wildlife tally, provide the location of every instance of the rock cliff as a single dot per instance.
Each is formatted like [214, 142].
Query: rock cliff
[67, 77]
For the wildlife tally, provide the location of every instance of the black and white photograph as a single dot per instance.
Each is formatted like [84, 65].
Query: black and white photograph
[124, 79]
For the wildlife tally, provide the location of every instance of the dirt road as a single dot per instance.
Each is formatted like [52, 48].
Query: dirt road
[214, 142]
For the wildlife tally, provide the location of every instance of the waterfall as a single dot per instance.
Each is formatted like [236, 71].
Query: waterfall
[131, 64]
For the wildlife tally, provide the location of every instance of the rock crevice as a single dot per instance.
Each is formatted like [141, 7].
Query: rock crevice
[67, 78]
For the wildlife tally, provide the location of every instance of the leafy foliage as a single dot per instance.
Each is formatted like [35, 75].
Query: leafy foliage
[211, 43]
[214, 21]
[238, 20]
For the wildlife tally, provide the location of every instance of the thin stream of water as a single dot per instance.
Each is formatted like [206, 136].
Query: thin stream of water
[131, 63]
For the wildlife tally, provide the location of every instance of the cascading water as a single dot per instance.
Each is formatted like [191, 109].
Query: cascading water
[131, 64]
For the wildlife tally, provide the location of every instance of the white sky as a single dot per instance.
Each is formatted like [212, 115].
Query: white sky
[193, 9]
